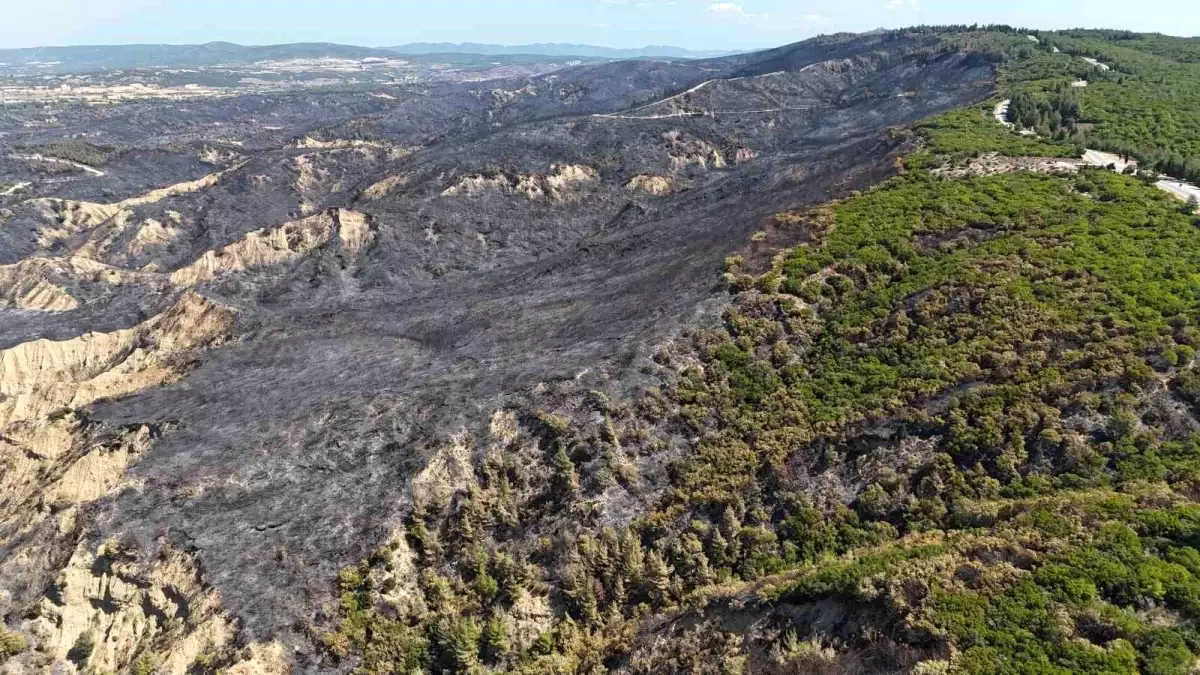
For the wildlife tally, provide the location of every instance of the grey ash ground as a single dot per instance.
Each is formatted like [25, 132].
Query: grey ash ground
[464, 244]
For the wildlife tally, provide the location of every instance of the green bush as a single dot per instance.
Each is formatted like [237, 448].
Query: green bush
[11, 644]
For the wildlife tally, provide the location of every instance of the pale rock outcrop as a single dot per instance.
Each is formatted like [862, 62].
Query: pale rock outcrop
[68, 218]
[155, 196]
[219, 157]
[399, 579]
[470, 186]
[561, 184]
[96, 242]
[41, 377]
[279, 245]
[373, 150]
[310, 177]
[653, 185]
[565, 177]
[34, 457]
[530, 186]
[95, 473]
[684, 151]
[530, 616]
[47, 284]
[386, 186]
[503, 428]
[743, 155]
[310, 143]
[134, 608]
[503, 96]
[127, 607]
[48, 477]
[354, 232]
[153, 234]
[22, 288]
[50, 467]
[50, 284]
[449, 471]
[259, 249]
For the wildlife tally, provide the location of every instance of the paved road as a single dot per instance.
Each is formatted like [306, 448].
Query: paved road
[1180, 189]
[1105, 159]
[1099, 158]
[1001, 112]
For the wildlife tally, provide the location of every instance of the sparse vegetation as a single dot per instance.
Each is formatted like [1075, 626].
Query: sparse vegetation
[75, 151]
[988, 320]
[81, 651]
[11, 644]
[145, 664]
[949, 412]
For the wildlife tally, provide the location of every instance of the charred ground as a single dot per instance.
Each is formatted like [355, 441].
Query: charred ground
[318, 296]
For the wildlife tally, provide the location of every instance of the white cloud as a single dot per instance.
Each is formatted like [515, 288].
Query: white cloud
[727, 8]
[732, 9]
[789, 23]
[893, 5]
[639, 4]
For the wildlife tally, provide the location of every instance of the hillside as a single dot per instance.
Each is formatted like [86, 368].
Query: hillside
[792, 361]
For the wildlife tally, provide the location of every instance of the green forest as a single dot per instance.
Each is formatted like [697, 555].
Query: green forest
[1146, 104]
[949, 426]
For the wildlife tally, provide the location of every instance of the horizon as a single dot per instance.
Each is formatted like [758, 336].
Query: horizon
[695, 25]
[546, 43]
[379, 46]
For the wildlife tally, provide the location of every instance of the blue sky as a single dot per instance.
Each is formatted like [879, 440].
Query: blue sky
[697, 24]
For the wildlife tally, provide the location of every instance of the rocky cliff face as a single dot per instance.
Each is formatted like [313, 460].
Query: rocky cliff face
[222, 382]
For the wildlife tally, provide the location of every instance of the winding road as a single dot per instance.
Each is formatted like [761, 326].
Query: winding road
[55, 160]
[14, 189]
[1177, 188]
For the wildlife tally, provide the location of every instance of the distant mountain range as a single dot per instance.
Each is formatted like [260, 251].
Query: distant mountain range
[90, 58]
[106, 57]
[555, 49]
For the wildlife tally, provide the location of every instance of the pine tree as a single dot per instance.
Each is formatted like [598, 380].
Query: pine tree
[495, 637]
[618, 592]
[566, 479]
[719, 549]
[580, 592]
[657, 579]
[456, 643]
[512, 577]
[608, 555]
[632, 561]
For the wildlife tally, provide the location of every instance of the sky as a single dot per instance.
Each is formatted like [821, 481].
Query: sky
[695, 24]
